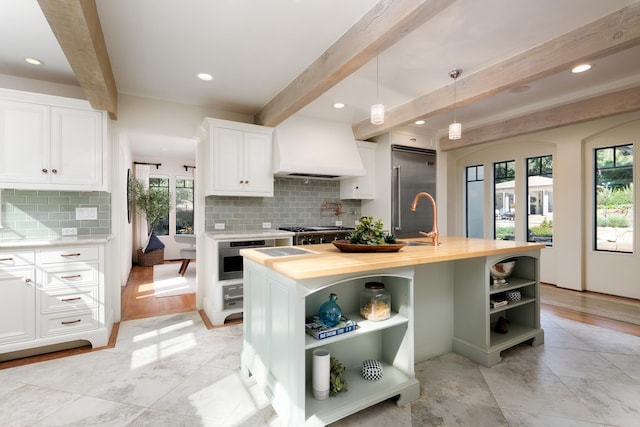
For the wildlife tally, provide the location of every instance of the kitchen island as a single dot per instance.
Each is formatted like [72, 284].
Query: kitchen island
[440, 302]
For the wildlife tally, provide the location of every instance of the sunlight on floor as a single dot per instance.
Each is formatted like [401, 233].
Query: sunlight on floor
[245, 403]
[165, 348]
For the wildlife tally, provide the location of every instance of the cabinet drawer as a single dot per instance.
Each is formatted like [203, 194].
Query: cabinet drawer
[64, 323]
[70, 298]
[70, 275]
[13, 259]
[70, 254]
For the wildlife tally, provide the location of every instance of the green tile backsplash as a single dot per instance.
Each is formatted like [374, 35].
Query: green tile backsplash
[43, 214]
[295, 202]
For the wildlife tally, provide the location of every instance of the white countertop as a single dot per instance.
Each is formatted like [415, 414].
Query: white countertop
[60, 241]
[226, 235]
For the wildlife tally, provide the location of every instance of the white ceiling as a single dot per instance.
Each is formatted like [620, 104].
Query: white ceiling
[254, 48]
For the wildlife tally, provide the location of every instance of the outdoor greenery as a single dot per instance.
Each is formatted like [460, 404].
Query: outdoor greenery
[505, 233]
[545, 229]
[613, 220]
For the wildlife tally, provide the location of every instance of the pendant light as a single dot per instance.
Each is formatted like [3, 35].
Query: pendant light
[455, 128]
[377, 110]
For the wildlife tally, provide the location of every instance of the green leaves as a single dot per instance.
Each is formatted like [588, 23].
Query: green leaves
[337, 382]
[369, 232]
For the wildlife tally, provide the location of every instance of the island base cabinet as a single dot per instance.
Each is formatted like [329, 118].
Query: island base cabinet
[277, 351]
[474, 332]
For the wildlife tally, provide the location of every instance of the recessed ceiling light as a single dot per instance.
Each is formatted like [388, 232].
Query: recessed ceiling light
[338, 105]
[581, 68]
[33, 61]
[420, 122]
[204, 76]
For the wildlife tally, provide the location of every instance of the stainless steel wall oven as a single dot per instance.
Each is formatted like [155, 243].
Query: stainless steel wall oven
[230, 260]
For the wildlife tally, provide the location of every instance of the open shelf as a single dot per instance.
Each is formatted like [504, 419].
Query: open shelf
[517, 333]
[361, 394]
[514, 283]
[523, 301]
[364, 327]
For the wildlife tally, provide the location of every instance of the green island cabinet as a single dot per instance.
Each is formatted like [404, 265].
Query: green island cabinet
[278, 352]
[474, 336]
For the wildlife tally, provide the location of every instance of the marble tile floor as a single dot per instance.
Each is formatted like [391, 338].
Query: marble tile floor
[172, 371]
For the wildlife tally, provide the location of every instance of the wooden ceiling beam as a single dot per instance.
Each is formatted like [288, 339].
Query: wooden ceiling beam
[384, 25]
[623, 101]
[608, 35]
[76, 25]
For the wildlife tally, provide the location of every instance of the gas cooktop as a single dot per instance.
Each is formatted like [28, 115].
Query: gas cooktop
[306, 229]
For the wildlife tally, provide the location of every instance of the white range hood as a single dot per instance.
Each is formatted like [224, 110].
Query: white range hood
[314, 148]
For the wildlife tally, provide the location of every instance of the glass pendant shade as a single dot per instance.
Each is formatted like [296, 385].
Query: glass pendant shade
[377, 114]
[455, 130]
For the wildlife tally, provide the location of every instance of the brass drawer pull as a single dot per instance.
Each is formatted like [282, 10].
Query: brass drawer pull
[75, 276]
[69, 255]
[6, 259]
[71, 322]
[70, 299]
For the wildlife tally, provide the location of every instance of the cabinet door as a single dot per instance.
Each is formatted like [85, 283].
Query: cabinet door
[361, 187]
[17, 305]
[24, 142]
[76, 147]
[258, 173]
[227, 161]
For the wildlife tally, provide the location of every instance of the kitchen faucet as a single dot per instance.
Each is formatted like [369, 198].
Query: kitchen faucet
[434, 231]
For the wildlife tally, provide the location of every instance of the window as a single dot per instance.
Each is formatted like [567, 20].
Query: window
[474, 180]
[504, 196]
[613, 188]
[540, 199]
[161, 184]
[184, 205]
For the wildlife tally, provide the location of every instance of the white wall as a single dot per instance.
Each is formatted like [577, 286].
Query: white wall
[571, 262]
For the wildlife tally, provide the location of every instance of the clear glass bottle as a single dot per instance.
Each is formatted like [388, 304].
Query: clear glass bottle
[375, 302]
[330, 312]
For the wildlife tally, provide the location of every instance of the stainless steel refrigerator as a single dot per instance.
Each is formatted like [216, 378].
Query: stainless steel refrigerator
[414, 171]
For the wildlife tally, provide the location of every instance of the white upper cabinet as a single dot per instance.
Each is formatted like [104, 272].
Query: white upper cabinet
[361, 187]
[24, 138]
[47, 145]
[76, 147]
[240, 159]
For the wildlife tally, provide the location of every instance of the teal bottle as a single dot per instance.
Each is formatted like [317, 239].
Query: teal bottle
[330, 312]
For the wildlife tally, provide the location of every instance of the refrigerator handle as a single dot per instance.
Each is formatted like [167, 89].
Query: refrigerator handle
[398, 225]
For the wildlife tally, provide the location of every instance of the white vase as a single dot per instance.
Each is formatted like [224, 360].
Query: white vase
[320, 373]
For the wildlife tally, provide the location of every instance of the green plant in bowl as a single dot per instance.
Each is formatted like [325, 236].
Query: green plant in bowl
[369, 232]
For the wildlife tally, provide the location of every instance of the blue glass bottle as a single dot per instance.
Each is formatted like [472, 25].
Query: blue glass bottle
[330, 312]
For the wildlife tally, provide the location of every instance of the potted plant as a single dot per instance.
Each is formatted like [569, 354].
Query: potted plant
[152, 203]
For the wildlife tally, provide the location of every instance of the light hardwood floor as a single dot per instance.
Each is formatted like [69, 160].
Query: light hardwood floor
[138, 301]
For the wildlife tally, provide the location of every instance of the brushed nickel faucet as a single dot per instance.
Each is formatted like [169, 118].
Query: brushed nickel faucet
[434, 231]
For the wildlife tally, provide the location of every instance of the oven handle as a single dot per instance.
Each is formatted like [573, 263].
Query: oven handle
[229, 298]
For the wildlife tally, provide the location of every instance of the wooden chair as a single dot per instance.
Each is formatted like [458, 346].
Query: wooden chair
[187, 254]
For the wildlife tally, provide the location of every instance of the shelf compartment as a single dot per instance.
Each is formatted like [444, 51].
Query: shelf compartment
[361, 394]
[517, 334]
[523, 301]
[364, 327]
[514, 283]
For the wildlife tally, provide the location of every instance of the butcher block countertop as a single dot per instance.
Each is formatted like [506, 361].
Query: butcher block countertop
[327, 260]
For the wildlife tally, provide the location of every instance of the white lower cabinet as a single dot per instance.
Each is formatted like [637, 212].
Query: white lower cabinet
[17, 303]
[278, 352]
[59, 297]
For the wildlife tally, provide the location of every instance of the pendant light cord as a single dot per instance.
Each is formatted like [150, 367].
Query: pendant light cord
[377, 82]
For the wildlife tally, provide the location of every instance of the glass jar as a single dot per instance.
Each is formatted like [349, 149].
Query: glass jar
[375, 302]
[330, 312]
